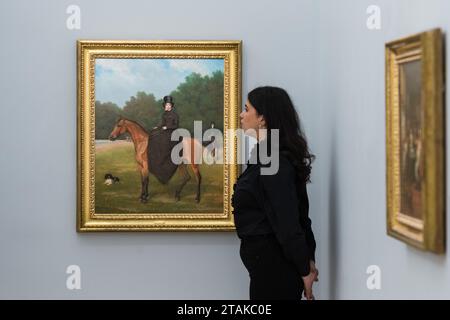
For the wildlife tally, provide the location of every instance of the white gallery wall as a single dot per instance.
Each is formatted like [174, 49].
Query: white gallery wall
[320, 51]
[38, 145]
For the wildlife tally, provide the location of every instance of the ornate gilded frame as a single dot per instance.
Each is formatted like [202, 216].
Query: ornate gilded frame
[427, 233]
[88, 51]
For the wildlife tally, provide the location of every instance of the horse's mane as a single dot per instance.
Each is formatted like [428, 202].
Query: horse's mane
[136, 123]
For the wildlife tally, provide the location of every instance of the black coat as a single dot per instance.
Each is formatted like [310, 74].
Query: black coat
[169, 119]
[275, 204]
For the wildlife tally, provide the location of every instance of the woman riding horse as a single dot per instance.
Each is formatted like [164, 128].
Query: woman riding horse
[160, 143]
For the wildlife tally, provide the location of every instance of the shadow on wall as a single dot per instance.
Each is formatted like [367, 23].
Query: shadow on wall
[333, 207]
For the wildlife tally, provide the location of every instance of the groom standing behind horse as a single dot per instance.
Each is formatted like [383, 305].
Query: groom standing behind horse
[160, 144]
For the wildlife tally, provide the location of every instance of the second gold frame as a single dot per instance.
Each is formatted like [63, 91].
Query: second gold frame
[415, 144]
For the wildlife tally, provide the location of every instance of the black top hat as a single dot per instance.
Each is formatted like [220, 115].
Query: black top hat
[168, 99]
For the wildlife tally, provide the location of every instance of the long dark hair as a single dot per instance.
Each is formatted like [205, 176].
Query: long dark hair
[279, 112]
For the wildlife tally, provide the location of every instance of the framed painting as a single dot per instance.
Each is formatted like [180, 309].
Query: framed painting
[141, 106]
[415, 144]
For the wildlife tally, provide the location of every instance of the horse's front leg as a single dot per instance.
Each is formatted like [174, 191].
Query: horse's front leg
[144, 183]
[145, 174]
[141, 158]
[144, 190]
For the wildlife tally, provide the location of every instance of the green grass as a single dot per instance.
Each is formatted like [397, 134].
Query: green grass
[123, 197]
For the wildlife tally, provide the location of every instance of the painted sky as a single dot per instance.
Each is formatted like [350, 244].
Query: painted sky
[116, 80]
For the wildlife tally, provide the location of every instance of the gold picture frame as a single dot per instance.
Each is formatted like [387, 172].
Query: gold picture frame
[415, 140]
[89, 52]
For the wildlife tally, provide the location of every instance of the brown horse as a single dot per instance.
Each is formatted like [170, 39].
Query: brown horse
[140, 137]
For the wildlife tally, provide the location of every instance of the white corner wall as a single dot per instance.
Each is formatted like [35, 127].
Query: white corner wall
[350, 169]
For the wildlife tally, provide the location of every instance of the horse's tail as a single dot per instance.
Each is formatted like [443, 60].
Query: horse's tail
[193, 149]
[205, 144]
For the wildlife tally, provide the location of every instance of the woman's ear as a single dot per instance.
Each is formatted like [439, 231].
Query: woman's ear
[262, 122]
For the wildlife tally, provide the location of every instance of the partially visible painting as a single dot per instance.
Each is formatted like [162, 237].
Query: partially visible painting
[133, 96]
[415, 148]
